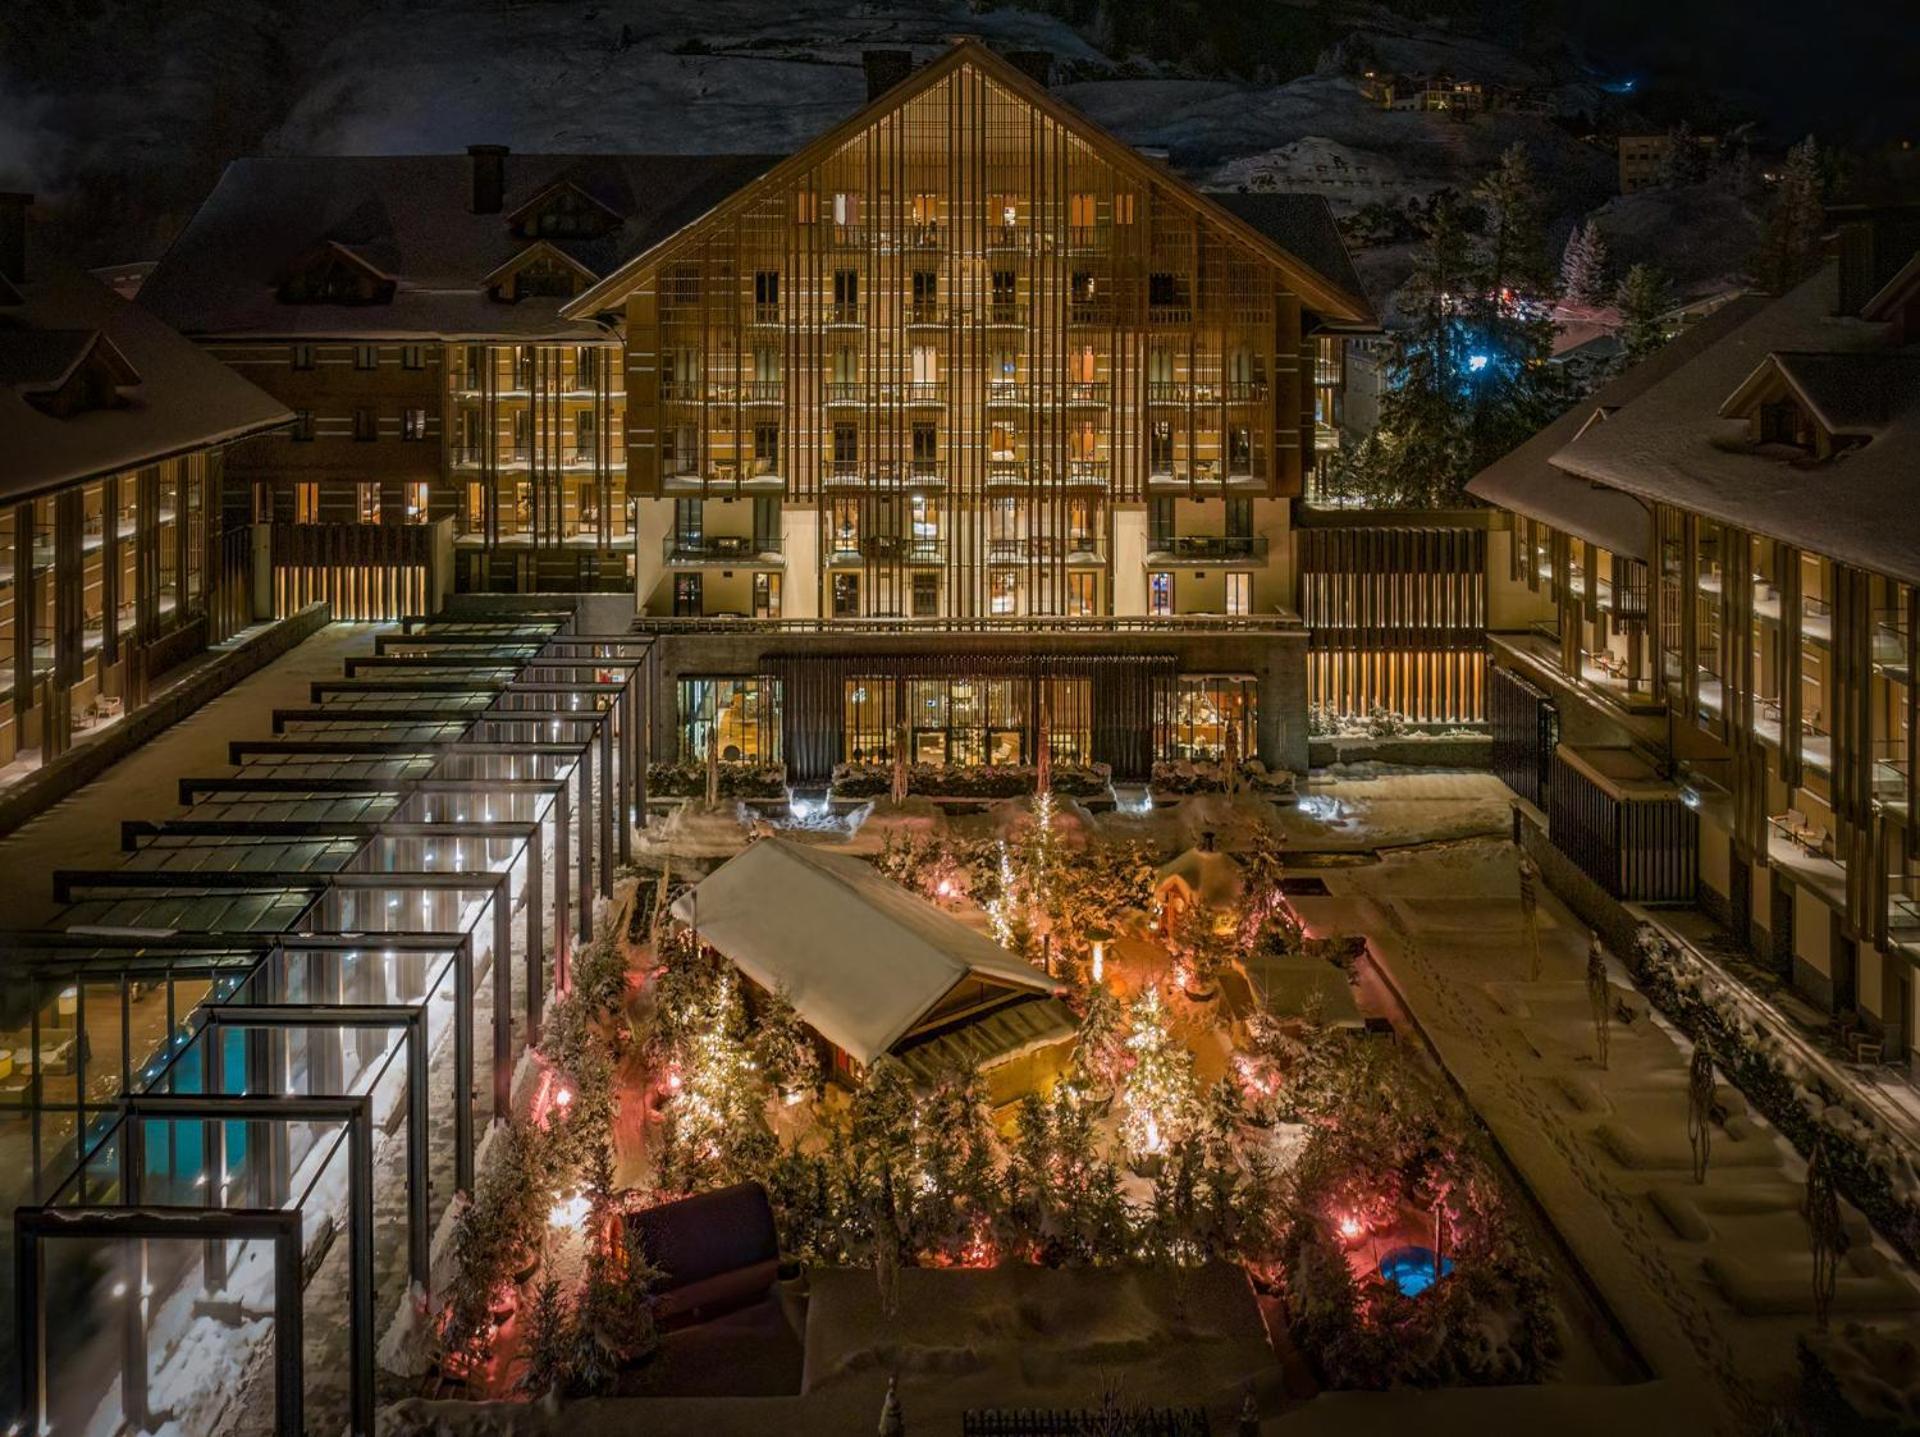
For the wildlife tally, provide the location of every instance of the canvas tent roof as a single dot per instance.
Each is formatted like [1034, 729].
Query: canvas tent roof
[1211, 876]
[862, 958]
[1294, 987]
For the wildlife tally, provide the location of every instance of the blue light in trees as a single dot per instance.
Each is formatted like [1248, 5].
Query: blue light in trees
[1476, 363]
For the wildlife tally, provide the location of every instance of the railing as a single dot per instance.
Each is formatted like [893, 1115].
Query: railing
[1087, 472]
[843, 473]
[1164, 391]
[1172, 313]
[1245, 391]
[846, 391]
[762, 391]
[1245, 548]
[1005, 239]
[1005, 472]
[1096, 312]
[1043, 546]
[680, 391]
[717, 548]
[766, 314]
[922, 315]
[1086, 239]
[926, 393]
[982, 624]
[1003, 314]
[896, 548]
[844, 315]
[924, 235]
[847, 236]
[1086, 392]
[1006, 391]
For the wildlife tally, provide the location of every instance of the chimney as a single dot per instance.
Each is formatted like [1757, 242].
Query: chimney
[885, 69]
[489, 177]
[13, 236]
[1038, 64]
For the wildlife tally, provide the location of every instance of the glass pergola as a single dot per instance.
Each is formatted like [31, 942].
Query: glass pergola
[235, 1045]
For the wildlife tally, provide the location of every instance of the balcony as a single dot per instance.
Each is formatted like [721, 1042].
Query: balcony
[845, 315]
[846, 237]
[1207, 548]
[844, 474]
[925, 394]
[1245, 391]
[1088, 239]
[1890, 644]
[1004, 314]
[846, 394]
[1085, 394]
[885, 549]
[1006, 239]
[922, 236]
[1006, 392]
[926, 316]
[576, 456]
[679, 391]
[689, 550]
[1035, 548]
[1005, 473]
[1089, 312]
[1180, 312]
[766, 314]
[1165, 391]
[1087, 473]
[762, 391]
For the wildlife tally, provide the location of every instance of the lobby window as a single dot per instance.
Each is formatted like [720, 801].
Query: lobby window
[367, 507]
[846, 596]
[1002, 594]
[416, 501]
[366, 356]
[766, 595]
[1239, 593]
[306, 502]
[1205, 707]
[413, 424]
[740, 717]
[926, 594]
[366, 426]
[1160, 594]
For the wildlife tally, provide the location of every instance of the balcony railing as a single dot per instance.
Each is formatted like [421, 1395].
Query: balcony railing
[1002, 473]
[1087, 239]
[1245, 391]
[887, 549]
[1089, 312]
[923, 235]
[1087, 473]
[847, 236]
[766, 314]
[1006, 391]
[1208, 548]
[1166, 391]
[1085, 393]
[925, 315]
[1006, 239]
[925, 393]
[845, 473]
[1173, 312]
[680, 391]
[719, 548]
[845, 315]
[1025, 548]
[1004, 314]
[843, 393]
[762, 391]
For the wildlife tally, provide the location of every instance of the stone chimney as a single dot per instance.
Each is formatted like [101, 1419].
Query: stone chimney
[1038, 65]
[13, 236]
[885, 69]
[489, 177]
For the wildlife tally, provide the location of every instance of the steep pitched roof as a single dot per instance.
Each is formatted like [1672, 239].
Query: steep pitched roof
[1322, 293]
[863, 959]
[173, 397]
[1850, 394]
[1301, 225]
[1527, 482]
[409, 217]
[1672, 444]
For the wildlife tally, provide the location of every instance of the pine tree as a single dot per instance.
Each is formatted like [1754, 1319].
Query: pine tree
[1796, 220]
[1099, 1048]
[1158, 1103]
[782, 1046]
[549, 1339]
[1685, 162]
[1642, 300]
[1583, 266]
[1513, 260]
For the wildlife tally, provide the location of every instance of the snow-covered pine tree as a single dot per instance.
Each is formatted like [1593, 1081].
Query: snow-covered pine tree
[1583, 266]
[1158, 1103]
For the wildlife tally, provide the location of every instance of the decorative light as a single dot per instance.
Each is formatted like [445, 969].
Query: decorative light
[563, 1097]
[1476, 363]
[1351, 1228]
[569, 1212]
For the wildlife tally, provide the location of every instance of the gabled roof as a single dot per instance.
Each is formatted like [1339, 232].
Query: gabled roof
[1301, 225]
[173, 397]
[1671, 444]
[1848, 394]
[410, 217]
[1324, 294]
[863, 959]
[566, 183]
[1527, 481]
[534, 250]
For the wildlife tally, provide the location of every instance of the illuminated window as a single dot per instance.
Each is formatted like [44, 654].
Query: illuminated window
[926, 209]
[369, 502]
[1001, 596]
[1205, 707]
[739, 716]
[1239, 593]
[1123, 209]
[766, 595]
[846, 208]
[1080, 595]
[416, 501]
[413, 424]
[1081, 209]
[806, 206]
[846, 596]
[306, 502]
[476, 507]
[1081, 365]
[1160, 594]
[926, 364]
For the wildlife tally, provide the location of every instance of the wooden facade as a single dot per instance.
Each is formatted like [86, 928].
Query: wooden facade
[963, 333]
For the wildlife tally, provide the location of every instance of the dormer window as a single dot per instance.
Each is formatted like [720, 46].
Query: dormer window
[333, 274]
[540, 271]
[67, 372]
[1815, 404]
[563, 211]
[1784, 422]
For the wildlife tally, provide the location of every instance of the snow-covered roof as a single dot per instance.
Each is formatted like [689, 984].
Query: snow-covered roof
[410, 217]
[863, 959]
[1672, 445]
[170, 397]
[1527, 481]
[1296, 986]
[1302, 225]
[1211, 876]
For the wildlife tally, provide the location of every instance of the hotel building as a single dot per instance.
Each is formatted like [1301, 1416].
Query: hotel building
[1716, 703]
[966, 394]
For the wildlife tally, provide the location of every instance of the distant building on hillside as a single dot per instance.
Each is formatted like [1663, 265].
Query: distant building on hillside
[1446, 94]
[1643, 158]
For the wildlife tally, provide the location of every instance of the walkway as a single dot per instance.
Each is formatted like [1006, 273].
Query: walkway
[1712, 1282]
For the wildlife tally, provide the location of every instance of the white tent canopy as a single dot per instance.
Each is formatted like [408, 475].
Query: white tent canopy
[863, 959]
